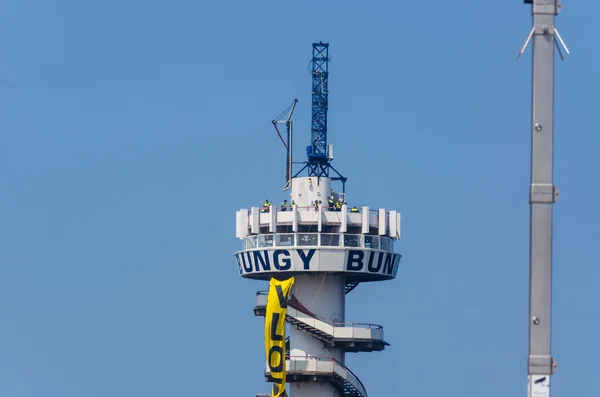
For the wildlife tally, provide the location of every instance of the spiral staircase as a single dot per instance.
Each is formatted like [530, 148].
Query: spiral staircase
[351, 337]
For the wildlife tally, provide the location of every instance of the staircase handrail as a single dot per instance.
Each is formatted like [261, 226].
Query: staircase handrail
[329, 359]
[294, 303]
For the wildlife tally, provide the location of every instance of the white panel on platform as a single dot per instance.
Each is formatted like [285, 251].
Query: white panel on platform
[398, 224]
[242, 220]
[373, 215]
[354, 219]
[285, 216]
[307, 216]
[295, 218]
[272, 218]
[343, 333]
[382, 223]
[255, 219]
[392, 225]
[361, 333]
[365, 220]
[264, 218]
[332, 217]
[319, 218]
[344, 225]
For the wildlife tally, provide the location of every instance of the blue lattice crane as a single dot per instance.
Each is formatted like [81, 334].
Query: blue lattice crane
[320, 154]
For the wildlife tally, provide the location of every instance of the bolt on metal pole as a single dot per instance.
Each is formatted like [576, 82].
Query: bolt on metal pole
[543, 194]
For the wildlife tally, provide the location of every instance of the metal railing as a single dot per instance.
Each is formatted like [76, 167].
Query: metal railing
[324, 207]
[354, 325]
[263, 301]
[317, 240]
[302, 364]
[312, 208]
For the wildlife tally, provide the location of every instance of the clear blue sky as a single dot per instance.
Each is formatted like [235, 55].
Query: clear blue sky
[131, 131]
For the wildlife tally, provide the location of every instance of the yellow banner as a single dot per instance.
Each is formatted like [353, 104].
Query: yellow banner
[279, 291]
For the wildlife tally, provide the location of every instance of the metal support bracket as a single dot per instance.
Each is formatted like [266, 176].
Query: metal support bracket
[543, 193]
[547, 9]
[542, 365]
[544, 30]
[557, 35]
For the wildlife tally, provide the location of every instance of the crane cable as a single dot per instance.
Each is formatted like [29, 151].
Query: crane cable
[280, 137]
[286, 120]
[318, 292]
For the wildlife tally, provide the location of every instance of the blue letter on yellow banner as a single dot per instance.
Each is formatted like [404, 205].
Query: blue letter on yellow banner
[279, 291]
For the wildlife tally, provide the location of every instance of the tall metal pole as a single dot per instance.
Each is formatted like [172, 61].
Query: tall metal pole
[542, 196]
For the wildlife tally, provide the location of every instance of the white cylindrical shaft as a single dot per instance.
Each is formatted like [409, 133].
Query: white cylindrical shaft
[306, 191]
[323, 294]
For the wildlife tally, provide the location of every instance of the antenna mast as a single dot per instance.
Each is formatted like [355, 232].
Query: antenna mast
[288, 146]
[543, 193]
[319, 153]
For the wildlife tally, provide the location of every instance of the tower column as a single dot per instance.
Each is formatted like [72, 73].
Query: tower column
[323, 295]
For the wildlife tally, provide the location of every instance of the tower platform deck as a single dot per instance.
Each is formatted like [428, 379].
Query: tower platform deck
[322, 369]
[350, 336]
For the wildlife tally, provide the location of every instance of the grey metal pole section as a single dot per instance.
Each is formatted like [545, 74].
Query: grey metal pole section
[542, 196]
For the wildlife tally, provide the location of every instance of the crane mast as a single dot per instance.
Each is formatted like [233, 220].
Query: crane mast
[543, 193]
[318, 152]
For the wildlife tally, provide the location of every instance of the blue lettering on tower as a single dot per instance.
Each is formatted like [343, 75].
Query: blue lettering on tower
[268, 261]
[376, 268]
[355, 261]
[262, 257]
[378, 262]
[369, 261]
[388, 266]
[283, 263]
[306, 257]
[247, 262]
[396, 264]
[239, 263]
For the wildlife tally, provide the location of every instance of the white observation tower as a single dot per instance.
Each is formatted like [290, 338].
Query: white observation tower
[329, 251]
